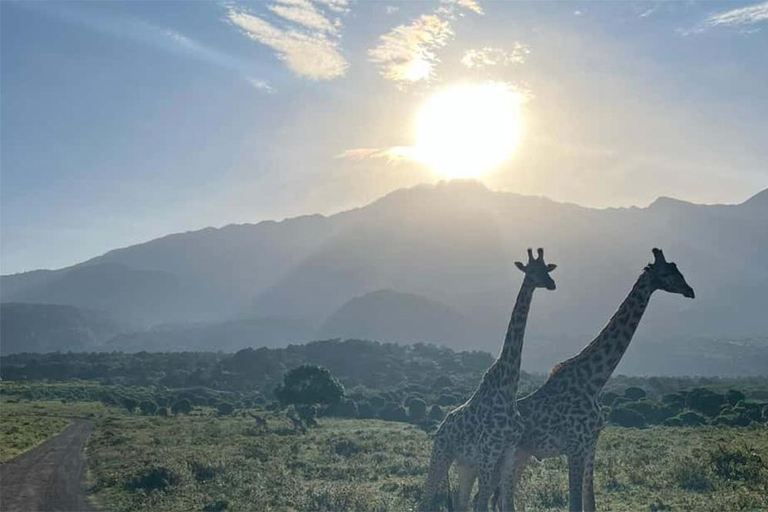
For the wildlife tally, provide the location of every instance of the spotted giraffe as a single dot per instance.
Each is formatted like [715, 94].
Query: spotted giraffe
[563, 416]
[477, 433]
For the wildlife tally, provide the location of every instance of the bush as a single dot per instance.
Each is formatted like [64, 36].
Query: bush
[225, 409]
[626, 417]
[130, 404]
[162, 411]
[436, 413]
[155, 479]
[608, 398]
[309, 385]
[447, 400]
[705, 401]
[733, 396]
[378, 402]
[691, 475]
[634, 393]
[365, 411]
[417, 409]
[393, 412]
[147, 407]
[182, 406]
[742, 464]
[674, 400]
[691, 419]
[346, 408]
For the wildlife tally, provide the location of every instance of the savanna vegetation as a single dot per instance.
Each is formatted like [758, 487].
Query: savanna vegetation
[345, 425]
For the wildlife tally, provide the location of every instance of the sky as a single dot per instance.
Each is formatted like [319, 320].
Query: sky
[125, 121]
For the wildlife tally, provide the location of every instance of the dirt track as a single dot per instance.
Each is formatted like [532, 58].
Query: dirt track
[49, 477]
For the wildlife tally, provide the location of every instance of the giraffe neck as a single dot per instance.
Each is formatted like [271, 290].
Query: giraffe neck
[509, 358]
[600, 358]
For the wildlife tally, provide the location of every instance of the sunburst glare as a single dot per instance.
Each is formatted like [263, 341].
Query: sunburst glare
[466, 131]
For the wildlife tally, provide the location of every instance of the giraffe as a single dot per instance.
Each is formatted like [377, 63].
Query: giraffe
[476, 433]
[563, 416]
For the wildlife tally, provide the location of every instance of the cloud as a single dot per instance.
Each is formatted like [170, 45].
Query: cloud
[407, 53]
[486, 57]
[392, 155]
[742, 16]
[470, 5]
[309, 43]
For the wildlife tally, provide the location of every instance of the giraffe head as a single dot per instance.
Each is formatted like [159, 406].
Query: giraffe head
[537, 270]
[666, 276]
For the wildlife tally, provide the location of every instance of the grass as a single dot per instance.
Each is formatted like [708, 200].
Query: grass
[202, 462]
[20, 431]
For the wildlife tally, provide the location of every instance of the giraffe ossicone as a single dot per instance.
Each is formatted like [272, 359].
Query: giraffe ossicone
[563, 416]
[478, 433]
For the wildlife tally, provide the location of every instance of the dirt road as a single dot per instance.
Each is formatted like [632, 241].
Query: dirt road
[49, 477]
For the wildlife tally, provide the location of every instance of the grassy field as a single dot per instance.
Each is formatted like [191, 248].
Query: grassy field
[24, 425]
[202, 462]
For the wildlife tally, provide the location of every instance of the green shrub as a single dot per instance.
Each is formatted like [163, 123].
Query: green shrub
[733, 396]
[129, 403]
[225, 409]
[674, 400]
[737, 463]
[162, 411]
[393, 412]
[148, 407]
[436, 413]
[705, 401]
[308, 385]
[625, 417]
[691, 419]
[346, 408]
[417, 409]
[155, 479]
[608, 398]
[634, 393]
[183, 406]
[691, 475]
[365, 410]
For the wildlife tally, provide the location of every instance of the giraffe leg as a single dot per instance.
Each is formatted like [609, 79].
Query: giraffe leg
[439, 464]
[505, 488]
[575, 480]
[521, 461]
[588, 485]
[484, 484]
[467, 477]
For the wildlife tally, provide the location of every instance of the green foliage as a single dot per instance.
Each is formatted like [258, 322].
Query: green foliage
[393, 412]
[626, 417]
[436, 413]
[183, 406]
[738, 463]
[129, 403]
[417, 409]
[635, 393]
[308, 385]
[734, 396]
[608, 398]
[705, 401]
[225, 409]
[345, 408]
[148, 407]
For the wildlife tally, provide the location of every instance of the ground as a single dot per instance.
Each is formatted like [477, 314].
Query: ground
[206, 462]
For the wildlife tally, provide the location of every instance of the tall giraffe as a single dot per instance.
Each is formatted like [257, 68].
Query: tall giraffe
[477, 433]
[563, 416]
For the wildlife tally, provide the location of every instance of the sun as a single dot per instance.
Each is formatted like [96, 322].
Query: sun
[465, 131]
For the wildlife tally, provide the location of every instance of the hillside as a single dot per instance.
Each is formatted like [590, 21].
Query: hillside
[453, 244]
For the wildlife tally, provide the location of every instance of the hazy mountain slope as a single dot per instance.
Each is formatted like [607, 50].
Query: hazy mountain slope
[389, 316]
[216, 336]
[453, 243]
[48, 328]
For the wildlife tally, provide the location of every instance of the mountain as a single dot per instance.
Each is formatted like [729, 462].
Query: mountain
[50, 327]
[453, 244]
[398, 317]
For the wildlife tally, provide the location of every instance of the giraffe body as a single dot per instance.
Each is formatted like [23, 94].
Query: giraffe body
[563, 417]
[477, 434]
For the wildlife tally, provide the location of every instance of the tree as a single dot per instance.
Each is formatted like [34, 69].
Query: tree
[625, 417]
[393, 412]
[148, 407]
[183, 406]
[705, 401]
[346, 408]
[130, 404]
[608, 398]
[309, 385]
[417, 409]
[225, 408]
[162, 411]
[365, 410]
[436, 413]
[733, 396]
[634, 393]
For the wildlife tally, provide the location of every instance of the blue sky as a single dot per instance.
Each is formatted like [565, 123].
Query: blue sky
[126, 121]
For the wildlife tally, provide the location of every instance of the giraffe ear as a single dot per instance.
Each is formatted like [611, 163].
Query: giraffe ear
[520, 266]
[551, 267]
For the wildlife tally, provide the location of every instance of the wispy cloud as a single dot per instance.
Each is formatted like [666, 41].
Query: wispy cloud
[307, 42]
[742, 16]
[487, 57]
[407, 53]
[392, 155]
